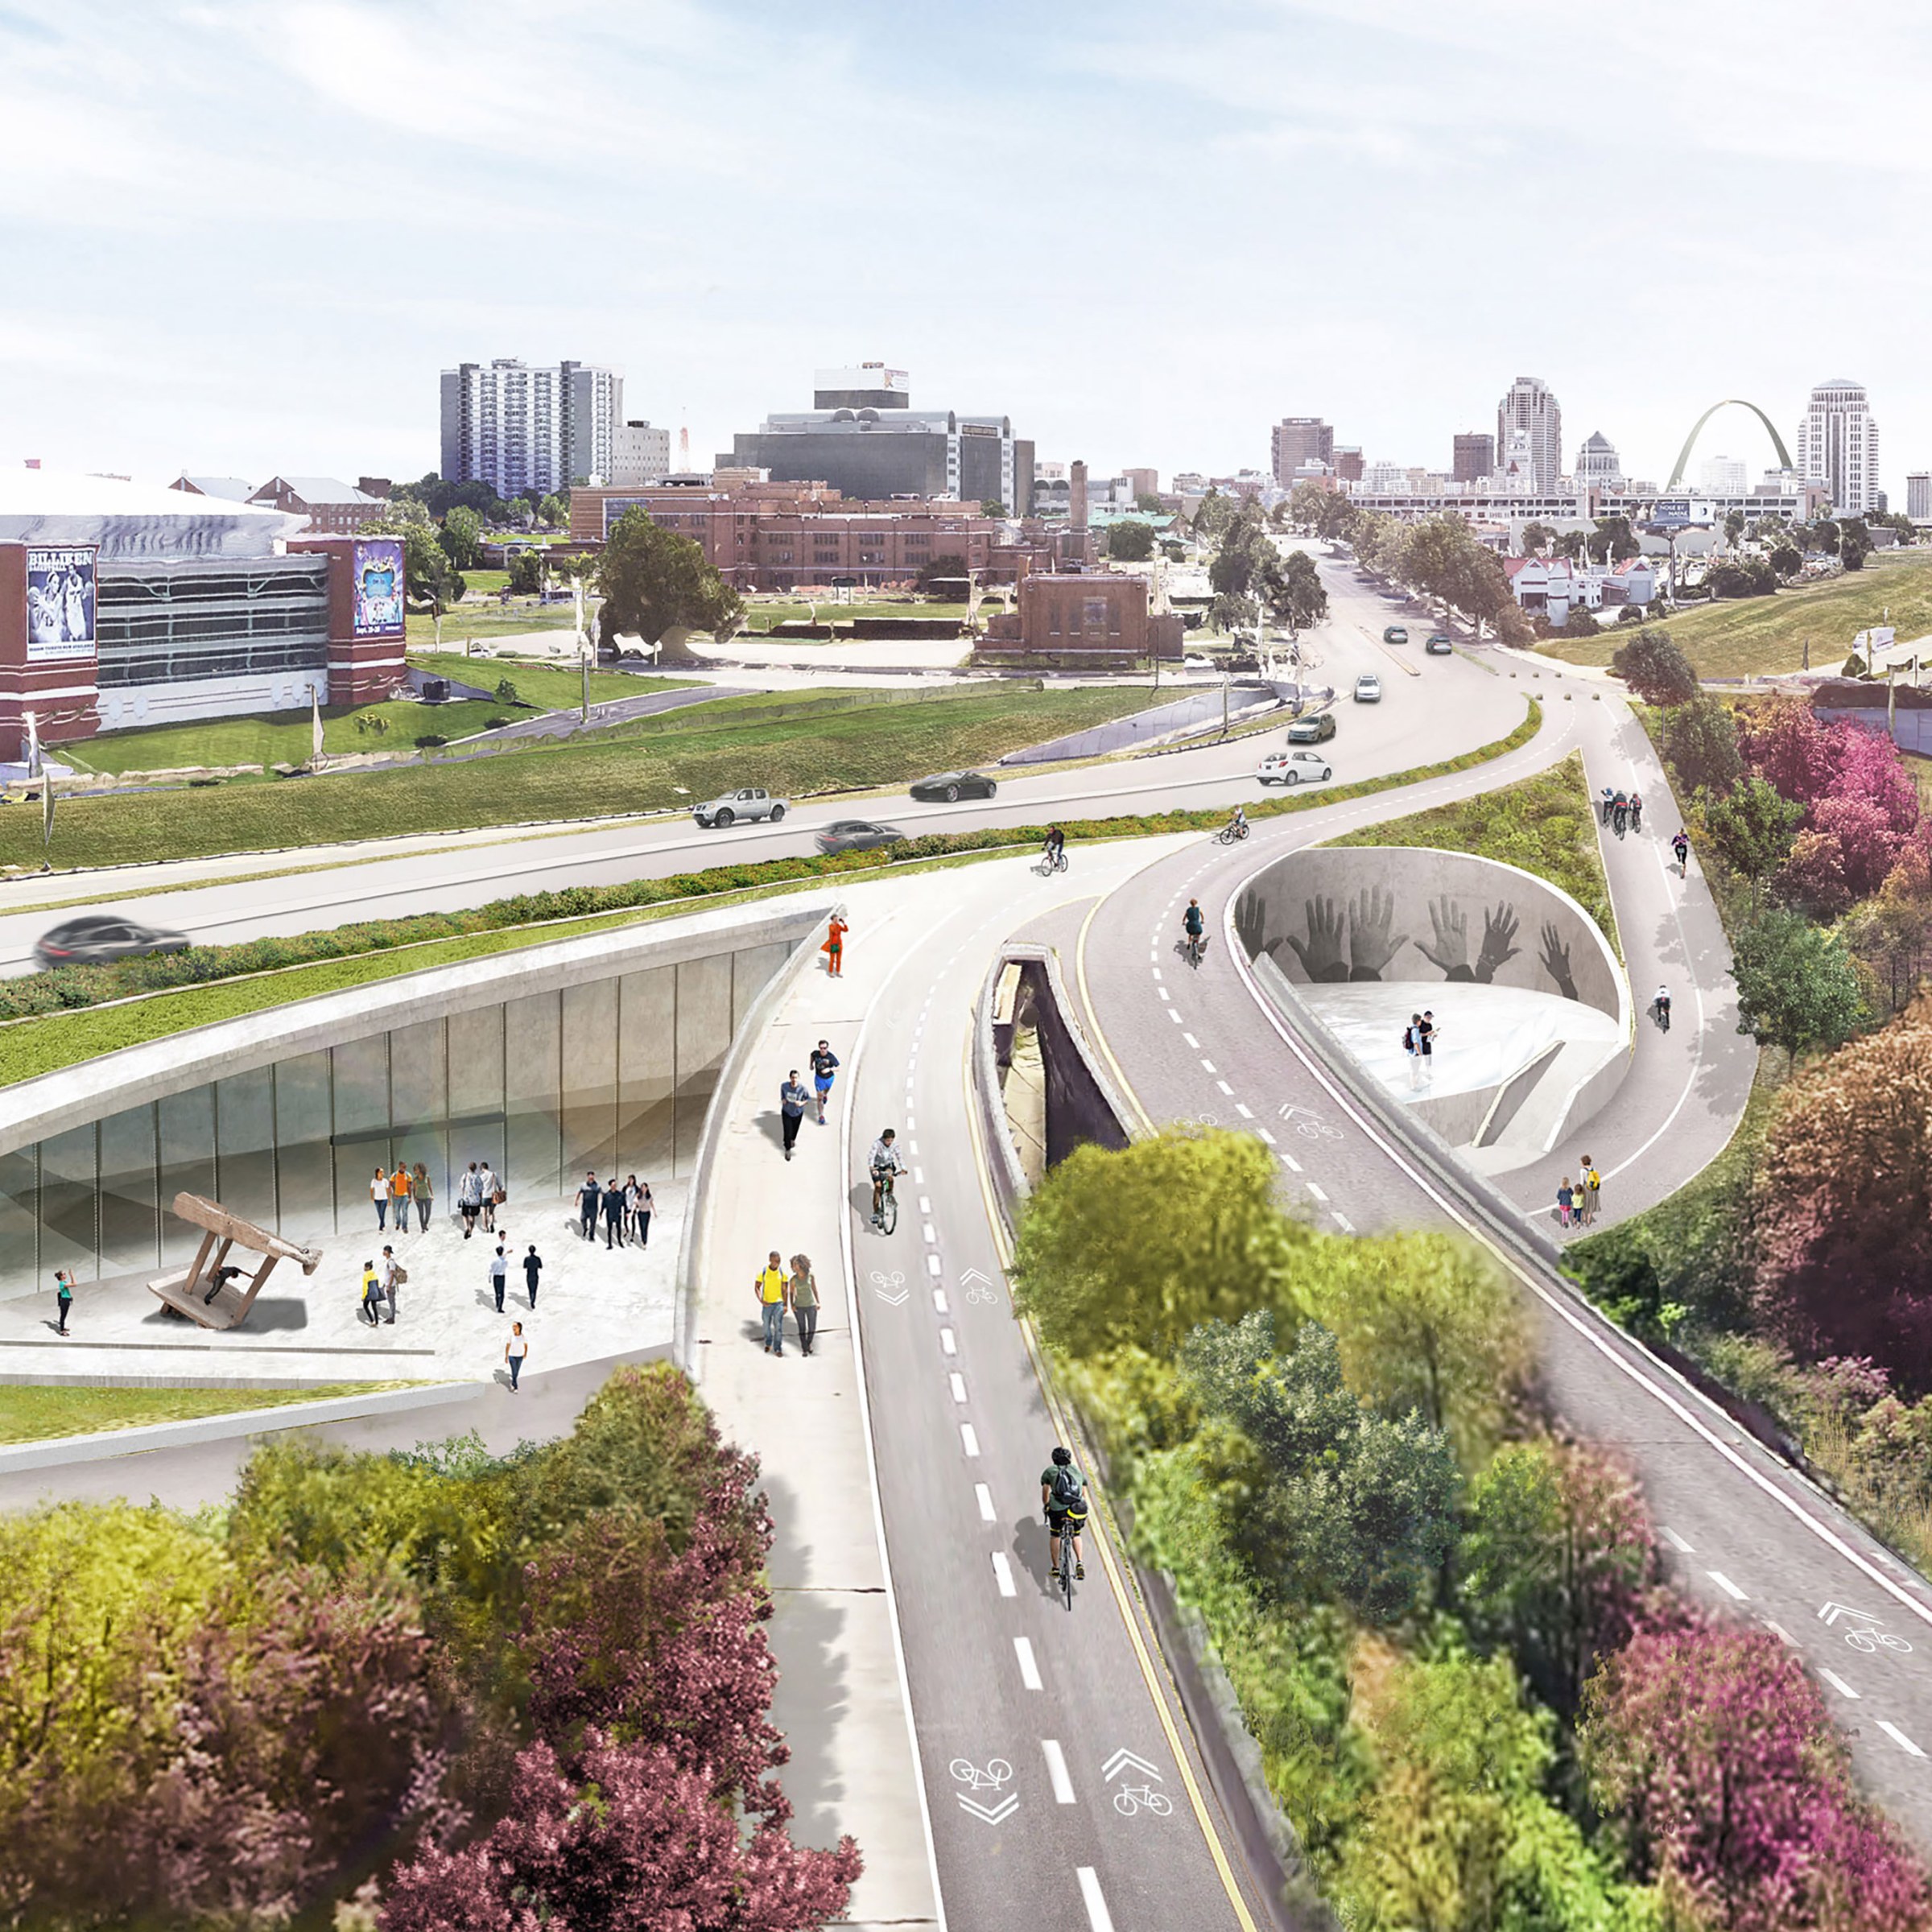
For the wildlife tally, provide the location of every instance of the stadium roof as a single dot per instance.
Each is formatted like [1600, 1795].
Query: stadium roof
[132, 521]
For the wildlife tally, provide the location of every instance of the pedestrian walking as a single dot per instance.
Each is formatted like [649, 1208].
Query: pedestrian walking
[631, 1192]
[533, 1266]
[646, 1207]
[1412, 1045]
[1426, 1038]
[372, 1295]
[804, 1301]
[834, 948]
[64, 1298]
[1592, 1189]
[1565, 1201]
[590, 1202]
[378, 1192]
[425, 1196]
[499, 1273]
[792, 1101]
[825, 1064]
[514, 1351]
[770, 1287]
[469, 1199]
[394, 1275]
[494, 1195]
[398, 1197]
[613, 1214]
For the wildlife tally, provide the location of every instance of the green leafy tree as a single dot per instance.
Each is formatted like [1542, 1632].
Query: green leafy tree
[1753, 826]
[1798, 988]
[949, 569]
[1785, 562]
[992, 506]
[1536, 538]
[1229, 614]
[1700, 740]
[1571, 544]
[527, 571]
[1655, 669]
[1292, 589]
[1147, 504]
[656, 583]
[1613, 541]
[1824, 536]
[462, 537]
[1212, 519]
[1580, 621]
[553, 511]
[1130, 543]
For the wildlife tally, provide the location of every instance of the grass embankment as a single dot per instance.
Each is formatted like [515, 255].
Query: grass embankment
[285, 737]
[1543, 824]
[1741, 637]
[490, 620]
[63, 1026]
[629, 769]
[39, 1414]
[762, 615]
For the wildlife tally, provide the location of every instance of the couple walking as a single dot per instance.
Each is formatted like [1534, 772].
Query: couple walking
[480, 1194]
[1418, 1042]
[776, 1291]
[380, 1281]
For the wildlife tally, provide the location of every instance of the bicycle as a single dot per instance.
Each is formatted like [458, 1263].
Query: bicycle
[887, 1218]
[1132, 1799]
[1231, 834]
[1871, 1641]
[1064, 1574]
[1196, 944]
[1051, 861]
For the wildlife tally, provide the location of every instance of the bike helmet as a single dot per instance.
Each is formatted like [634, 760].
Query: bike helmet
[1062, 1455]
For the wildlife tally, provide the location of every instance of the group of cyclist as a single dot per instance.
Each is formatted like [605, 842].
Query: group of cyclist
[1620, 808]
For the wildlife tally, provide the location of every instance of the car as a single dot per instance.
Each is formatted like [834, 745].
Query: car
[1291, 767]
[1368, 689]
[1439, 646]
[1317, 728]
[856, 835]
[1395, 634]
[748, 801]
[1197, 660]
[953, 786]
[95, 938]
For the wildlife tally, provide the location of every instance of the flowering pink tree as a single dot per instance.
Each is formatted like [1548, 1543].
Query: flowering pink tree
[632, 1841]
[1710, 1753]
[1813, 875]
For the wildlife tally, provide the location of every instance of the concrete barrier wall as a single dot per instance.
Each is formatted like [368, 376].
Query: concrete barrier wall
[1366, 913]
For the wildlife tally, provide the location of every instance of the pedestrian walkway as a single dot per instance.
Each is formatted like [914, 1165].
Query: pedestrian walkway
[839, 1700]
[1687, 1089]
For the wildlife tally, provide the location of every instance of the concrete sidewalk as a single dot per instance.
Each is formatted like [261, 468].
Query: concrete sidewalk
[840, 1699]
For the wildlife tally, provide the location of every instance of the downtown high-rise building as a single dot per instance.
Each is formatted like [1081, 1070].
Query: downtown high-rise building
[1838, 445]
[1474, 456]
[1598, 465]
[1298, 440]
[519, 426]
[1530, 432]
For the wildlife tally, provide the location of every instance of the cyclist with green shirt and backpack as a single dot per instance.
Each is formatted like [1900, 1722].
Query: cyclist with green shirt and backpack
[1063, 1496]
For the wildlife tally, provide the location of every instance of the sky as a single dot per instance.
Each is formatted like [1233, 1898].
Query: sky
[242, 237]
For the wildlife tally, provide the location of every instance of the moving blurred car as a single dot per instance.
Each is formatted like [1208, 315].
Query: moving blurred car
[953, 786]
[1395, 634]
[752, 802]
[1368, 689]
[96, 938]
[1316, 730]
[856, 835]
[1439, 646]
[1291, 767]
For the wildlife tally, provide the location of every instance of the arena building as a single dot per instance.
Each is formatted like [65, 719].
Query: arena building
[123, 605]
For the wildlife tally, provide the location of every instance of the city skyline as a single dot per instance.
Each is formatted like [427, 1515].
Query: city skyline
[395, 197]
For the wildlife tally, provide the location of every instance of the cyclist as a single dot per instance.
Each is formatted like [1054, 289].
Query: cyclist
[1193, 924]
[1238, 825]
[1637, 811]
[1063, 1496]
[885, 1161]
[1056, 848]
[1663, 1007]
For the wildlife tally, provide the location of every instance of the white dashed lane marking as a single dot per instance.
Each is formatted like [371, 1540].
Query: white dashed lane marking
[1899, 1738]
[949, 1342]
[985, 1501]
[968, 1440]
[1837, 1683]
[1676, 1541]
[1029, 1671]
[1002, 1573]
[1725, 1584]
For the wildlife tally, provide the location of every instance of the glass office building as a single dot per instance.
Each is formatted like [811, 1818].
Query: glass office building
[614, 1074]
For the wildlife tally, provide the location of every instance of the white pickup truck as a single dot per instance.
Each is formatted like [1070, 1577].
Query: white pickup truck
[752, 802]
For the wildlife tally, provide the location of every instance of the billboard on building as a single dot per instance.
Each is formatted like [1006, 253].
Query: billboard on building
[377, 585]
[61, 601]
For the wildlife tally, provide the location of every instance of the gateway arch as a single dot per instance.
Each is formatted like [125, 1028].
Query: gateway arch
[1683, 455]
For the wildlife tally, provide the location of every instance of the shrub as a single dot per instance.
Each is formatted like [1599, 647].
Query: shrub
[506, 693]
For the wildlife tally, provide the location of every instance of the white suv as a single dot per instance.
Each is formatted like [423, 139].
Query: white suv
[1368, 689]
[753, 801]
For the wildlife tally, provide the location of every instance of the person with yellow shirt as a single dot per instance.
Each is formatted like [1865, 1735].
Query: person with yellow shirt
[772, 1289]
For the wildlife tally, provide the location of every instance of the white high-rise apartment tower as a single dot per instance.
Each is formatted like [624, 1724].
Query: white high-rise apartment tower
[1838, 445]
[1530, 410]
[516, 428]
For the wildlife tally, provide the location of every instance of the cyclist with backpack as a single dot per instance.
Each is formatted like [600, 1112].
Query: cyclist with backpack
[1063, 1496]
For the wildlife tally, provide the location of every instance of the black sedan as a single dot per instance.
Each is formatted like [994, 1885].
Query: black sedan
[856, 835]
[95, 938]
[953, 786]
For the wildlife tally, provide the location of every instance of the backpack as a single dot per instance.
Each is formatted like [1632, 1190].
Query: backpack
[1065, 1487]
[1408, 1039]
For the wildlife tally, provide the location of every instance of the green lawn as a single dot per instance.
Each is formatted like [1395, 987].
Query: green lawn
[1544, 825]
[484, 621]
[638, 769]
[762, 613]
[284, 737]
[39, 1413]
[1746, 635]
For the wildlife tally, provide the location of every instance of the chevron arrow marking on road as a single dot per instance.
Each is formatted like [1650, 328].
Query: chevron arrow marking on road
[1831, 1612]
[973, 1275]
[1124, 1760]
[991, 1815]
[892, 1301]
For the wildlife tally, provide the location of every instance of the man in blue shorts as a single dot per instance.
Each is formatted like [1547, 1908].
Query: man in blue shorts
[825, 1063]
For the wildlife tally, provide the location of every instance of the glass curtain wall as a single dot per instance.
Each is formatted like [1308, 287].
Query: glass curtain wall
[614, 1075]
